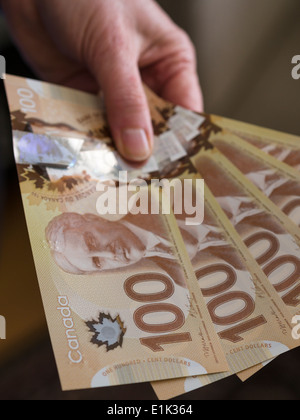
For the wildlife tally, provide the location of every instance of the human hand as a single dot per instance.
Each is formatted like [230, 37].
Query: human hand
[112, 45]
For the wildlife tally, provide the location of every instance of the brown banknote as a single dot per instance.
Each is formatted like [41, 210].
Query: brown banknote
[120, 294]
[277, 180]
[182, 123]
[271, 234]
[282, 146]
[49, 110]
[245, 309]
[203, 152]
[175, 119]
[280, 183]
[272, 238]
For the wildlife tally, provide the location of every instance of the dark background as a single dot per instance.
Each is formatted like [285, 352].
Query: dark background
[245, 50]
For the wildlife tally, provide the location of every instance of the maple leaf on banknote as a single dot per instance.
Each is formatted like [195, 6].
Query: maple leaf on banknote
[107, 331]
[29, 174]
[159, 127]
[166, 112]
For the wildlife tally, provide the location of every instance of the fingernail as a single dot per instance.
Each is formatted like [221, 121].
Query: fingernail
[135, 144]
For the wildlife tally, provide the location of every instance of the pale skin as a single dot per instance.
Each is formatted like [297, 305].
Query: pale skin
[113, 46]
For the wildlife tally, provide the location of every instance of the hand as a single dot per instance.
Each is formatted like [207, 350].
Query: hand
[111, 45]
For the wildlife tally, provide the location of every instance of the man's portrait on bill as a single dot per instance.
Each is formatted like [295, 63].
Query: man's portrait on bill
[88, 244]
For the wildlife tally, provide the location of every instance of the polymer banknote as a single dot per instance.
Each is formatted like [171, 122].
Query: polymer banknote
[284, 147]
[252, 214]
[120, 295]
[243, 305]
[277, 180]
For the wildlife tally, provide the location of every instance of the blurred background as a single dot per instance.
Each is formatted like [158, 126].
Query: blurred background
[244, 51]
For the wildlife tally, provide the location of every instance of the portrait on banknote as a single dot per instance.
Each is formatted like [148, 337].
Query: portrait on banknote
[87, 244]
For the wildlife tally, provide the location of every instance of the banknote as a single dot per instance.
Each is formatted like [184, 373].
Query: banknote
[272, 238]
[50, 112]
[251, 210]
[48, 109]
[120, 294]
[282, 146]
[270, 234]
[246, 311]
[277, 180]
[44, 108]
[173, 120]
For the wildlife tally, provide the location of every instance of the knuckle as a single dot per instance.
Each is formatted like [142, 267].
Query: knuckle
[106, 41]
[186, 46]
[114, 39]
[134, 102]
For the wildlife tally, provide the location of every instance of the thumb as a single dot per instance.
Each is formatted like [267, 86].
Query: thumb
[127, 107]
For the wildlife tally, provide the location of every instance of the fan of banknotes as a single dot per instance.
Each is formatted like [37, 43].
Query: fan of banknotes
[136, 295]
